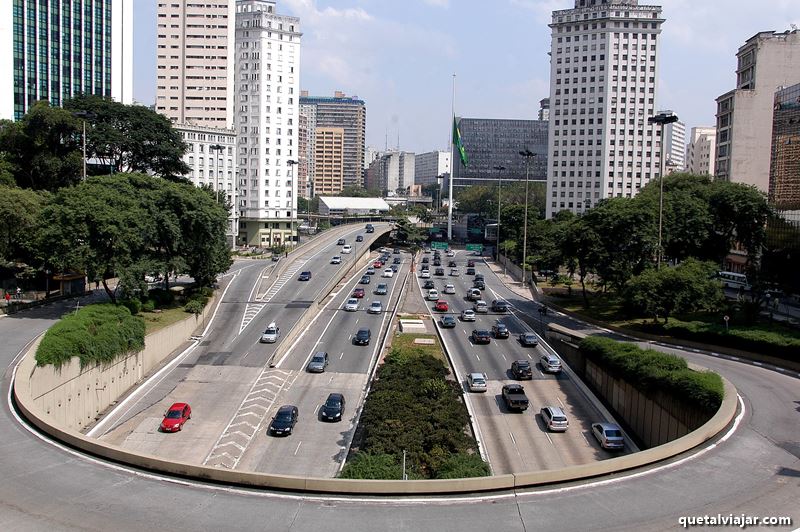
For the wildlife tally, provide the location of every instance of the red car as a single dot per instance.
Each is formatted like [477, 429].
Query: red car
[470, 263]
[377, 264]
[441, 306]
[175, 417]
[358, 292]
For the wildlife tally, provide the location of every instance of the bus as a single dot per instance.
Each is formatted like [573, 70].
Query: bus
[736, 281]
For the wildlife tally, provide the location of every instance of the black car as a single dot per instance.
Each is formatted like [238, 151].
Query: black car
[479, 284]
[396, 260]
[479, 277]
[425, 260]
[451, 264]
[359, 238]
[481, 337]
[304, 276]
[470, 263]
[333, 408]
[284, 421]
[364, 279]
[362, 337]
[521, 369]
[498, 305]
[341, 242]
[439, 271]
[427, 285]
[396, 251]
[500, 330]
[470, 271]
[437, 262]
[447, 322]
[529, 339]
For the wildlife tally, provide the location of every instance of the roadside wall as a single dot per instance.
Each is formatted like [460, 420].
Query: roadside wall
[73, 398]
[513, 270]
[653, 418]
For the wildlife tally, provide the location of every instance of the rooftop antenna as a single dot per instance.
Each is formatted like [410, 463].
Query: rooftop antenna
[386, 140]
[398, 138]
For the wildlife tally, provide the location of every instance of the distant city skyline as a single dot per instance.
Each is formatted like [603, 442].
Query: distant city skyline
[401, 62]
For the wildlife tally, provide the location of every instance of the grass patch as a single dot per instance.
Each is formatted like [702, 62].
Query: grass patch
[155, 321]
[414, 407]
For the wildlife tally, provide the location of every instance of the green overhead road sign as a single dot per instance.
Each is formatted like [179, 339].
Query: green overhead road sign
[439, 245]
[475, 247]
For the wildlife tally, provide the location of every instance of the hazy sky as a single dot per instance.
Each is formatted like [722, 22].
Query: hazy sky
[400, 57]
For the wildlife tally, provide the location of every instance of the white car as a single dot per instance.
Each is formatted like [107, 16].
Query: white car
[451, 253]
[375, 307]
[481, 306]
[351, 305]
[425, 274]
[346, 249]
[433, 294]
[271, 334]
[468, 315]
[455, 272]
[449, 289]
[336, 260]
[388, 272]
[476, 382]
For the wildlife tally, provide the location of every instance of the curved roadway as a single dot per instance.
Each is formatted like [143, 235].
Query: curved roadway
[754, 472]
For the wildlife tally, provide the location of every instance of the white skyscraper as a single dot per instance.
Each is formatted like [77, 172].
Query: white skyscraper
[674, 145]
[429, 166]
[603, 81]
[701, 151]
[266, 120]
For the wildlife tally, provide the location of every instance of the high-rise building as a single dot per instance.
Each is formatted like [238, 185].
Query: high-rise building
[784, 175]
[392, 173]
[701, 151]
[266, 116]
[674, 145]
[328, 161]
[348, 113]
[307, 138]
[603, 83]
[56, 49]
[766, 61]
[195, 62]
[544, 109]
[490, 143]
[430, 166]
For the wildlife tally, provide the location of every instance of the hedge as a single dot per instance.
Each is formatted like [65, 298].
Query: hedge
[776, 341]
[413, 407]
[96, 333]
[648, 370]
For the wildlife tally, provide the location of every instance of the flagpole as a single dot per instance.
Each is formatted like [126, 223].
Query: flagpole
[452, 167]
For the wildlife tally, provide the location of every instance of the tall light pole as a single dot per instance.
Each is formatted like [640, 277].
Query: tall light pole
[84, 115]
[662, 119]
[219, 148]
[529, 155]
[291, 164]
[499, 169]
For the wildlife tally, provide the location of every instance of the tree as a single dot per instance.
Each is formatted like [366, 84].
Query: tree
[42, 151]
[478, 199]
[19, 210]
[583, 245]
[355, 191]
[690, 286]
[131, 138]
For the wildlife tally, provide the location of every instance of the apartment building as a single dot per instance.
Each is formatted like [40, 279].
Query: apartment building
[701, 151]
[328, 161]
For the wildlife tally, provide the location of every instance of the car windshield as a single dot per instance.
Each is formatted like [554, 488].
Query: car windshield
[318, 358]
[174, 414]
[613, 433]
[269, 331]
[283, 416]
[559, 418]
[523, 365]
[478, 381]
[332, 403]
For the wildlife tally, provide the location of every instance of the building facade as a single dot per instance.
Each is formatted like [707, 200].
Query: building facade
[307, 138]
[211, 155]
[603, 83]
[329, 161]
[392, 173]
[544, 109]
[266, 120]
[766, 61]
[701, 151]
[428, 167]
[784, 175]
[195, 62]
[490, 143]
[53, 50]
[675, 145]
[348, 113]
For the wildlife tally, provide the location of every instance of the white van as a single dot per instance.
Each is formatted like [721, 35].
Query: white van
[734, 280]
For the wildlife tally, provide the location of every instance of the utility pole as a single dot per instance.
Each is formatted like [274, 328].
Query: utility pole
[662, 119]
[499, 169]
[529, 155]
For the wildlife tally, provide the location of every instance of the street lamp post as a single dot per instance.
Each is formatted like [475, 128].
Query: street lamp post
[529, 155]
[499, 169]
[662, 119]
[84, 115]
[219, 149]
[291, 164]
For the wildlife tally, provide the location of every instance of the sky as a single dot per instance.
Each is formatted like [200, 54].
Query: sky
[400, 57]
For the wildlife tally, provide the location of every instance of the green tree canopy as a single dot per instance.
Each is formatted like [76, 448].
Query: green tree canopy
[19, 211]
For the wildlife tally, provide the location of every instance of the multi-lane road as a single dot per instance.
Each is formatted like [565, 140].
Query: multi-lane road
[47, 487]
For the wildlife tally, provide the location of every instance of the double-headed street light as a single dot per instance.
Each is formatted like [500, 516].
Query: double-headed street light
[291, 164]
[499, 169]
[662, 119]
[529, 155]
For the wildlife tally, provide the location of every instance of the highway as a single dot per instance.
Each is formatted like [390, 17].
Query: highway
[513, 442]
[754, 472]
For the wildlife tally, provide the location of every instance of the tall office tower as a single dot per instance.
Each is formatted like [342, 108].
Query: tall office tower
[55, 49]
[766, 61]
[307, 140]
[195, 62]
[603, 72]
[430, 166]
[350, 114]
[329, 161]
[544, 109]
[784, 176]
[491, 143]
[266, 116]
[701, 151]
[674, 145]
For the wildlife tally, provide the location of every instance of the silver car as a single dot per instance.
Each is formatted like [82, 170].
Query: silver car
[351, 305]
[481, 306]
[271, 334]
[550, 363]
[476, 382]
[554, 418]
[318, 362]
[608, 435]
[468, 315]
[375, 307]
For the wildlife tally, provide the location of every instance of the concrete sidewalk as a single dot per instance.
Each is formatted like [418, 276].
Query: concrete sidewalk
[515, 285]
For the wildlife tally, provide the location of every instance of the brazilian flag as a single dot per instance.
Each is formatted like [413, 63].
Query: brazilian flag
[459, 144]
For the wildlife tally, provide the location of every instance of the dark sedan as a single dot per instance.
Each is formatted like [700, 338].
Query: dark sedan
[284, 421]
[447, 322]
[304, 276]
[481, 337]
[362, 337]
[333, 409]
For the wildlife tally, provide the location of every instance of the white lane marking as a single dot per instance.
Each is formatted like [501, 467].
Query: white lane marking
[548, 438]
[504, 357]
[298, 448]
[560, 402]
[341, 355]
[585, 438]
[476, 356]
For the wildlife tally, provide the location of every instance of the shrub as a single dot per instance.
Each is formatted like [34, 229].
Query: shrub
[163, 298]
[97, 333]
[648, 370]
[772, 340]
[133, 305]
[206, 291]
[194, 306]
[149, 306]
